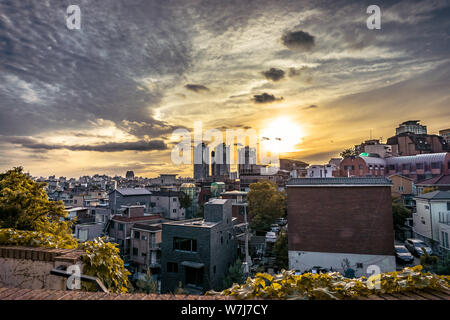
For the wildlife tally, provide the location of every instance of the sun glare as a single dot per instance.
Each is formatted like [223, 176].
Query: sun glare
[281, 135]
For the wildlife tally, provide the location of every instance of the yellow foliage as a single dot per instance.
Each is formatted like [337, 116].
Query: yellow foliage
[333, 285]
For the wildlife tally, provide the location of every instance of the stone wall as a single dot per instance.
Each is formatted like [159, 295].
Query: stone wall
[29, 267]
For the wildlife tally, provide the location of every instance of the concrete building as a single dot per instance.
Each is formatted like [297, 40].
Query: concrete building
[220, 161]
[239, 204]
[201, 162]
[145, 250]
[128, 197]
[445, 134]
[167, 203]
[119, 227]
[374, 147]
[297, 168]
[337, 220]
[411, 126]
[198, 252]
[320, 171]
[432, 219]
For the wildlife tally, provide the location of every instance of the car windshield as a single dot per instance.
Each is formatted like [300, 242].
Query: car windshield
[401, 250]
[419, 244]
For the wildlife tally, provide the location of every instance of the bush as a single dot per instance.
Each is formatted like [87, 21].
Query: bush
[333, 285]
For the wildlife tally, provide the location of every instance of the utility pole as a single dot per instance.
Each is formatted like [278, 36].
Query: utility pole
[247, 262]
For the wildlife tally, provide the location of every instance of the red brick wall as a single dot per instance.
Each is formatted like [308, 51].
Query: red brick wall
[341, 219]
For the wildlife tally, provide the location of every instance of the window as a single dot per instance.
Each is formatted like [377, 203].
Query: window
[448, 206]
[174, 210]
[435, 165]
[214, 269]
[135, 252]
[427, 207]
[174, 199]
[120, 226]
[172, 267]
[137, 234]
[185, 244]
[445, 239]
[391, 167]
[143, 254]
[419, 165]
[359, 265]
[112, 224]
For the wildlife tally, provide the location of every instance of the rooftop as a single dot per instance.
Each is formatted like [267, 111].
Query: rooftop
[148, 227]
[435, 195]
[136, 219]
[133, 191]
[439, 181]
[356, 181]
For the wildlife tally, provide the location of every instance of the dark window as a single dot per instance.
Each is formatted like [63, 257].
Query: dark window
[214, 269]
[359, 265]
[172, 267]
[448, 206]
[391, 167]
[419, 165]
[360, 167]
[135, 252]
[185, 244]
[221, 240]
[137, 234]
[143, 254]
[405, 166]
[120, 226]
[112, 225]
[435, 165]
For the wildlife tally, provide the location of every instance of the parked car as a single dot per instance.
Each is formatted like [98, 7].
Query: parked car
[402, 255]
[271, 236]
[275, 228]
[281, 222]
[415, 247]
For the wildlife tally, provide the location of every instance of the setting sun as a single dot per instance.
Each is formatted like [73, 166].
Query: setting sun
[281, 135]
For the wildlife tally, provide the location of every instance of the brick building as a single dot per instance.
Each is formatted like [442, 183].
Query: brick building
[334, 220]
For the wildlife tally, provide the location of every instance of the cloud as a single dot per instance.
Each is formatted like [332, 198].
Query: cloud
[313, 106]
[294, 72]
[274, 74]
[196, 87]
[265, 98]
[141, 145]
[298, 40]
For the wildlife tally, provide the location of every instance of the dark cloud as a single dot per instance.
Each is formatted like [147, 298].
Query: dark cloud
[53, 78]
[313, 106]
[141, 145]
[274, 74]
[298, 40]
[294, 72]
[265, 98]
[196, 87]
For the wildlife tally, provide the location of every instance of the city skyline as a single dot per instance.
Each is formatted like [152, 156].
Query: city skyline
[106, 98]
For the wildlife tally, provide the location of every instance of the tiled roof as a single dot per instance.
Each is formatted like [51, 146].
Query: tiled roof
[45, 294]
[339, 181]
[439, 180]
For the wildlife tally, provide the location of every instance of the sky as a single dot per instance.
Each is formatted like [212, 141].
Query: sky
[106, 98]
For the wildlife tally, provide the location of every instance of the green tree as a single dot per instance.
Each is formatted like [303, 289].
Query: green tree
[348, 153]
[280, 250]
[400, 214]
[24, 205]
[185, 200]
[265, 204]
[148, 284]
[428, 262]
[235, 274]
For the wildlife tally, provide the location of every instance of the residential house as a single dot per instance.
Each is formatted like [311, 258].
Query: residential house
[432, 219]
[128, 197]
[168, 204]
